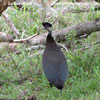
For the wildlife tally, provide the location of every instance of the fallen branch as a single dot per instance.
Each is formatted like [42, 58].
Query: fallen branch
[36, 47]
[6, 37]
[10, 47]
[78, 30]
[77, 7]
[16, 32]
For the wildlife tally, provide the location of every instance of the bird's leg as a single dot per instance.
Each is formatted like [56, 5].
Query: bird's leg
[50, 84]
[61, 92]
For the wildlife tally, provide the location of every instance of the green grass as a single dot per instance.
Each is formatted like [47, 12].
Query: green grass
[82, 83]
[84, 65]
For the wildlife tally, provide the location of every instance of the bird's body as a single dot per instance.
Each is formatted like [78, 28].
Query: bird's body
[54, 63]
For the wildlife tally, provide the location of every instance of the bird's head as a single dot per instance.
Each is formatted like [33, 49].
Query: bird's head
[47, 26]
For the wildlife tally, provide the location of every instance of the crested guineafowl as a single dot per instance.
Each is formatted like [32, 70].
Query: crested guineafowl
[53, 61]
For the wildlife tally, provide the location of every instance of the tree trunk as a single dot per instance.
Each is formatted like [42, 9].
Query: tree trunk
[4, 4]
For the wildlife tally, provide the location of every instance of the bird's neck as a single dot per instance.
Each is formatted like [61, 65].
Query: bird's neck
[49, 39]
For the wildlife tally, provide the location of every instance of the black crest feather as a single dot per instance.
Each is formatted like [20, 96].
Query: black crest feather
[46, 25]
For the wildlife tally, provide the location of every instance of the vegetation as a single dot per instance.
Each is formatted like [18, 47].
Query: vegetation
[84, 64]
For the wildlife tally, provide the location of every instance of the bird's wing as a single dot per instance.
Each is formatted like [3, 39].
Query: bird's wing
[50, 69]
[63, 72]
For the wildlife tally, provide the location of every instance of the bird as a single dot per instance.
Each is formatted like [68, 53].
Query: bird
[54, 63]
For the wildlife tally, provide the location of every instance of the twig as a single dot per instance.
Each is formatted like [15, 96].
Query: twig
[54, 2]
[16, 32]
[22, 93]
[23, 40]
[63, 46]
